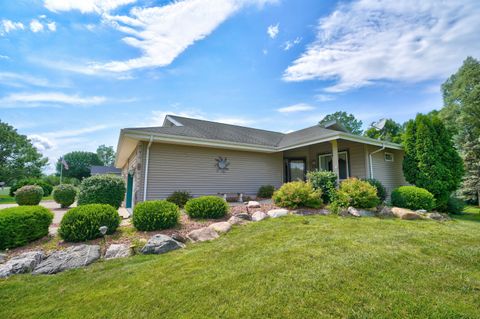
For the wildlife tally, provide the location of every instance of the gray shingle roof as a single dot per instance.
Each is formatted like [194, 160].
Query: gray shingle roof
[99, 170]
[237, 134]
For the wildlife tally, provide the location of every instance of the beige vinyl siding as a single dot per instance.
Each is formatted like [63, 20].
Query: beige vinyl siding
[390, 174]
[176, 167]
[356, 154]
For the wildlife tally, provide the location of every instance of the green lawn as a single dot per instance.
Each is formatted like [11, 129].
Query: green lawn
[291, 267]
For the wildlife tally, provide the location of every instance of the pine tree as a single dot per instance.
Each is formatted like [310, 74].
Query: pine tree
[431, 160]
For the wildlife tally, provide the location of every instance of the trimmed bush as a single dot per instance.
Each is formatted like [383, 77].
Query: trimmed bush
[180, 198]
[381, 190]
[102, 189]
[298, 194]
[413, 197]
[325, 181]
[83, 222]
[266, 191]
[356, 193]
[65, 194]
[455, 205]
[29, 195]
[155, 215]
[206, 207]
[21, 225]
[47, 188]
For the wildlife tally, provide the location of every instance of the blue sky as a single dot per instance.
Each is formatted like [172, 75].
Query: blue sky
[72, 73]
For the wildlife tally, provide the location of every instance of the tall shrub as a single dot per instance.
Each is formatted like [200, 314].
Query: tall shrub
[102, 189]
[325, 181]
[431, 161]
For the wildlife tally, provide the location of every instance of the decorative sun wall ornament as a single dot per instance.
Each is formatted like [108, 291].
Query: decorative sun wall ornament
[222, 164]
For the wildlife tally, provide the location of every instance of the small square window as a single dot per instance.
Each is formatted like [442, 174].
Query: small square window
[388, 157]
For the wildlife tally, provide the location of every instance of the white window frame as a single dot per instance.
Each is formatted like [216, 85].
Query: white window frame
[391, 156]
[331, 155]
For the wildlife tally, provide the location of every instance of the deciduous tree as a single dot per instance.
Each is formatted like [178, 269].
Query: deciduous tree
[349, 121]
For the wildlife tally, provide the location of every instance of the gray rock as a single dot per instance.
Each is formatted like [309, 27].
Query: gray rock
[160, 244]
[386, 212]
[438, 216]
[234, 220]
[244, 216]
[274, 213]
[221, 227]
[421, 211]
[179, 237]
[21, 264]
[70, 258]
[253, 204]
[2, 257]
[258, 216]
[406, 214]
[359, 212]
[118, 251]
[202, 234]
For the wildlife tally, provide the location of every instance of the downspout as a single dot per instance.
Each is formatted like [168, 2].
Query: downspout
[146, 169]
[370, 158]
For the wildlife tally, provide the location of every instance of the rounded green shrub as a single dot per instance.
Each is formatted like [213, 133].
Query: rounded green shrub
[83, 222]
[29, 195]
[266, 191]
[325, 181]
[412, 197]
[64, 194]
[356, 193]
[298, 194]
[381, 190]
[102, 189]
[155, 215]
[206, 207]
[180, 198]
[21, 225]
[47, 188]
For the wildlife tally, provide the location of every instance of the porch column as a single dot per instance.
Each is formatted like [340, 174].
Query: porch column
[335, 160]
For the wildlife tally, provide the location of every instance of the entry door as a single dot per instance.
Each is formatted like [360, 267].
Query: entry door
[128, 202]
[295, 169]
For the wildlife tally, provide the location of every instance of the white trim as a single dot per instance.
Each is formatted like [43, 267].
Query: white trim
[146, 170]
[330, 154]
[175, 122]
[371, 159]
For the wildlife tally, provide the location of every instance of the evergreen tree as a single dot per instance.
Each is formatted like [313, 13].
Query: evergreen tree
[431, 160]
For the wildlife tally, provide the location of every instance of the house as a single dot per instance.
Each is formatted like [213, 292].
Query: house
[100, 170]
[209, 158]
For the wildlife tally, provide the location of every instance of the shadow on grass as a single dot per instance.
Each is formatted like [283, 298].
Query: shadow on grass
[471, 213]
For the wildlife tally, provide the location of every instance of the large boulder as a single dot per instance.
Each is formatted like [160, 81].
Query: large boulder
[386, 212]
[118, 251]
[221, 227]
[70, 258]
[253, 204]
[359, 212]
[160, 244]
[437, 216]
[202, 234]
[244, 216]
[234, 220]
[404, 213]
[274, 213]
[179, 237]
[21, 264]
[258, 216]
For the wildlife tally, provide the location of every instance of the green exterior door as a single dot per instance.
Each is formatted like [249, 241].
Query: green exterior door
[128, 202]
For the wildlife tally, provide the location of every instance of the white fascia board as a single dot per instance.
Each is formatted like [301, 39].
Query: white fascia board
[370, 141]
[177, 123]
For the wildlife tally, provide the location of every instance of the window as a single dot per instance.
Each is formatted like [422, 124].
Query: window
[388, 157]
[295, 169]
[325, 164]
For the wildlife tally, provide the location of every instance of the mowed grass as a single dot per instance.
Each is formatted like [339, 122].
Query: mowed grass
[291, 267]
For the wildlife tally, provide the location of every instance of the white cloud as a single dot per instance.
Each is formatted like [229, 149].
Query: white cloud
[7, 26]
[85, 6]
[48, 98]
[369, 40]
[162, 33]
[287, 45]
[20, 79]
[52, 26]
[40, 142]
[300, 107]
[4, 57]
[36, 26]
[273, 30]
[324, 97]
